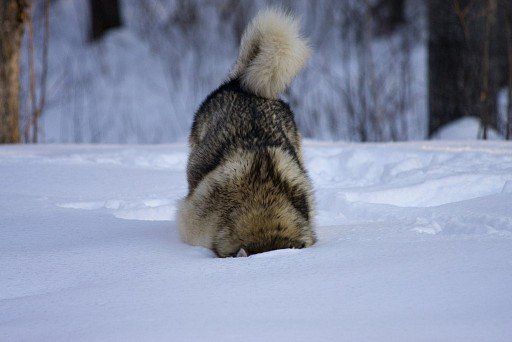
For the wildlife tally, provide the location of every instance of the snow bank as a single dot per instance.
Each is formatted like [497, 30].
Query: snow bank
[415, 243]
[467, 128]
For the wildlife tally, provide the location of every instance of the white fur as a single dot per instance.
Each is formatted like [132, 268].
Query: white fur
[272, 52]
[241, 253]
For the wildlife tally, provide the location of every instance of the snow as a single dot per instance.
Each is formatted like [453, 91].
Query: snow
[415, 244]
[467, 128]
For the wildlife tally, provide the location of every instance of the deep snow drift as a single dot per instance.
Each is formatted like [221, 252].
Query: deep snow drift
[415, 243]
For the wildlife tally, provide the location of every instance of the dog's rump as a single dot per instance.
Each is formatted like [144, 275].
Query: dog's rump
[248, 189]
[265, 186]
[232, 119]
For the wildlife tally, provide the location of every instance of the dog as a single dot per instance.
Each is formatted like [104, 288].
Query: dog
[249, 191]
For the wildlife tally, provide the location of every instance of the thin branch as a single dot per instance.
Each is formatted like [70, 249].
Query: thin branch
[44, 72]
[37, 106]
[508, 23]
[484, 95]
[31, 72]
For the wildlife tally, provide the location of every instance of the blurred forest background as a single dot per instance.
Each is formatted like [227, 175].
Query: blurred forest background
[135, 71]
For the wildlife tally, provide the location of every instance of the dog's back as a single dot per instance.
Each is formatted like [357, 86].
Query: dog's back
[248, 189]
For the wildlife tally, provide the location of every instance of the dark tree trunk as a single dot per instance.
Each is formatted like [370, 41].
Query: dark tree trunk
[447, 52]
[12, 18]
[105, 15]
[466, 56]
[508, 25]
[387, 15]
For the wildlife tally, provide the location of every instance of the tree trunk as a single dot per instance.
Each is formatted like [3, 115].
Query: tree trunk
[445, 46]
[465, 64]
[508, 25]
[12, 17]
[105, 15]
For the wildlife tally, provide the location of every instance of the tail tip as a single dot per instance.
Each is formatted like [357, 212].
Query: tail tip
[272, 52]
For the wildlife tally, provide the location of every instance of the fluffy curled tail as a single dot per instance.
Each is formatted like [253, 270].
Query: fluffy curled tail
[272, 52]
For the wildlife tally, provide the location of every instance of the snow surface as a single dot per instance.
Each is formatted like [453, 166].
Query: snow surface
[415, 244]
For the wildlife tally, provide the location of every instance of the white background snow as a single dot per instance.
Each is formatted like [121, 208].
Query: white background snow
[415, 244]
[143, 82]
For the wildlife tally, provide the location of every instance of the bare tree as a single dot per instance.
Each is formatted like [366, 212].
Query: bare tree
[12, 18]
[387, 15]
[105, 15]
[485, 98]
[376, 88]
[467, 61]
[508, 24]
[31, 129]
[447, 52]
